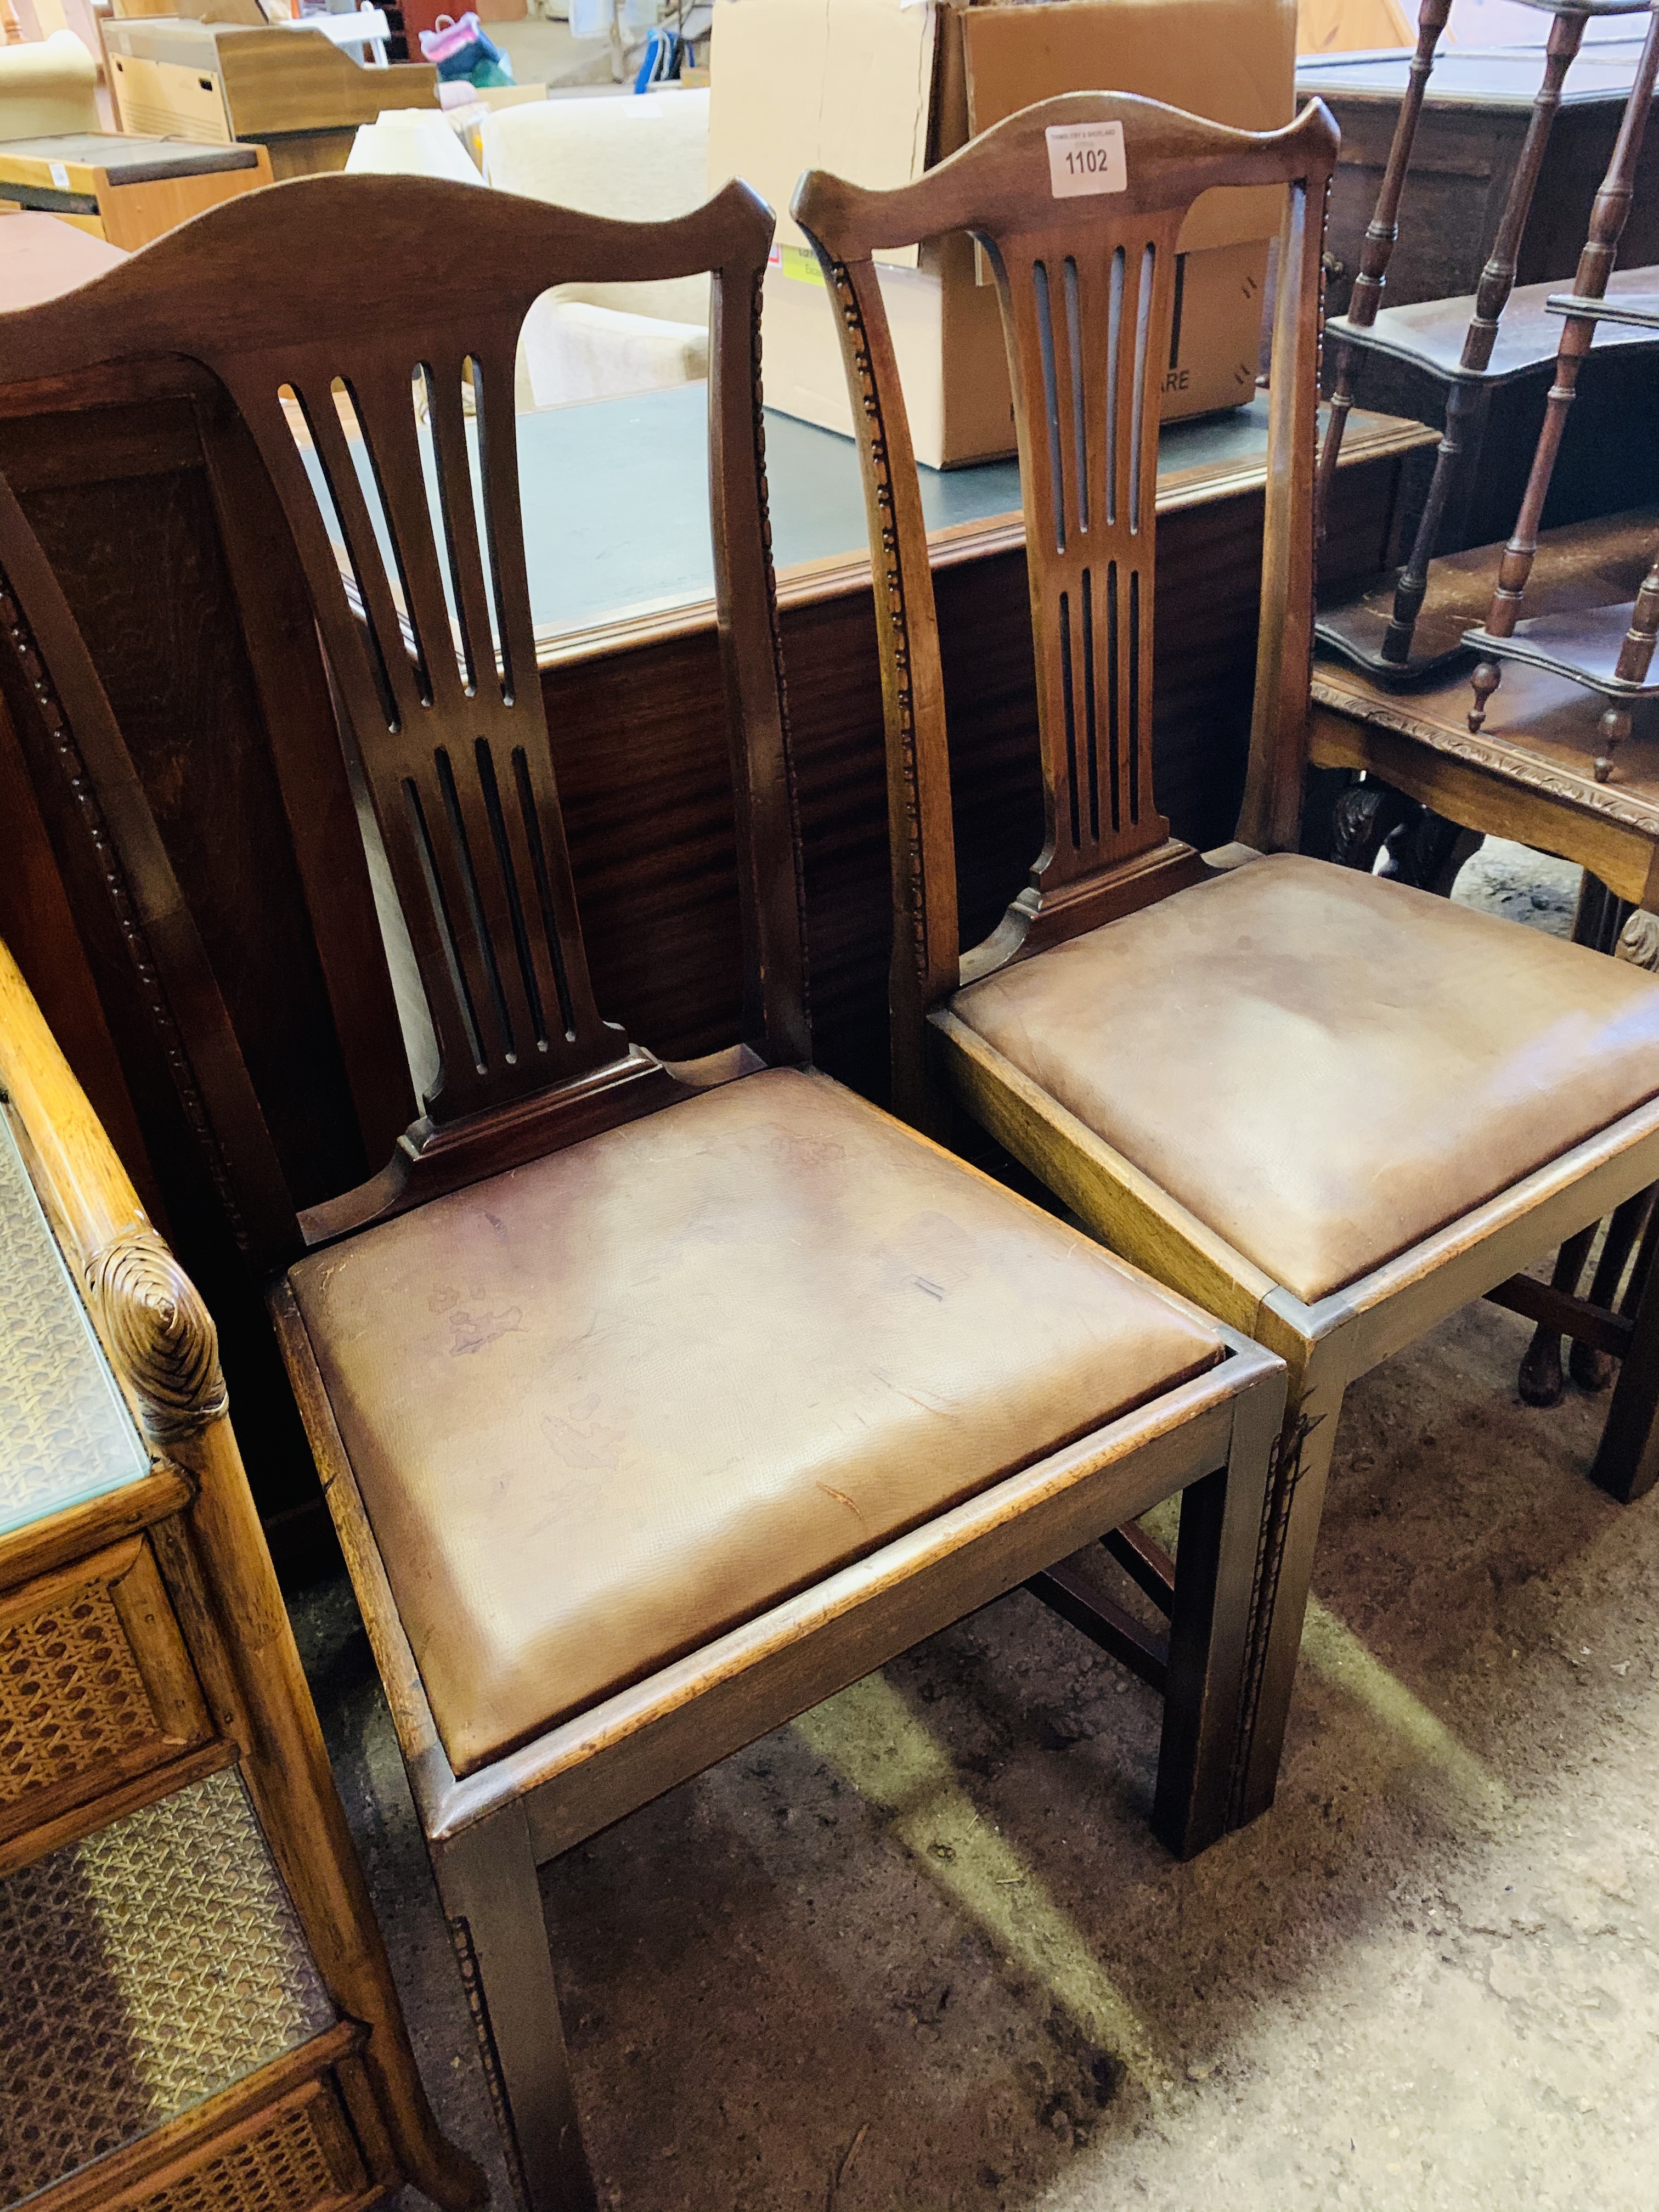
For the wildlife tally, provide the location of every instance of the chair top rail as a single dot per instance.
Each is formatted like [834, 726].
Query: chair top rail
[344, 257]
[1170, 158]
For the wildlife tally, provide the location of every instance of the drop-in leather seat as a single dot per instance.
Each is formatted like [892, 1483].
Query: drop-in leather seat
[608, 1406]
[1322, 1067]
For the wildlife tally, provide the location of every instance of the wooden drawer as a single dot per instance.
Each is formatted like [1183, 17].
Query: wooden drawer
[97, 1687]
[281, 2141]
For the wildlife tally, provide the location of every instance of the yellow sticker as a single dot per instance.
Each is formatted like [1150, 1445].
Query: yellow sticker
[800, 264]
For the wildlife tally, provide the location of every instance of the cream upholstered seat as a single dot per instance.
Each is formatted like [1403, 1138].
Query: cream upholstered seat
[1324, 1067]
[604, 1408]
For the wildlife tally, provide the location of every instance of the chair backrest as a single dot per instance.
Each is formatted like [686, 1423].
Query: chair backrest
[365, 330]
[1078, 202]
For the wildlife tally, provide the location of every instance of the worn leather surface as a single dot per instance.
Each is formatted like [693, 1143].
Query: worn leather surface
[1321, 1066]
[604, 1408]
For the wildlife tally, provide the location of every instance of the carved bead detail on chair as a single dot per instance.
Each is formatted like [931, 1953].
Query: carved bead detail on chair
[161, 1337]
[896, 613]
[69, 745]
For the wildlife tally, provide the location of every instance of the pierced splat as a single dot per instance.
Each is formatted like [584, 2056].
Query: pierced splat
[366, 380]
[405, 507]
[1089, 284]
[1088, 323]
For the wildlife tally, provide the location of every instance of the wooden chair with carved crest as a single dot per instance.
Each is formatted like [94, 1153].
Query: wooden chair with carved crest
[653, 1402]
[1327, 1107]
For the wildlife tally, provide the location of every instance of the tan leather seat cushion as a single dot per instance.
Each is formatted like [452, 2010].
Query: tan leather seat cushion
[606, 1406]
[1322, 1067]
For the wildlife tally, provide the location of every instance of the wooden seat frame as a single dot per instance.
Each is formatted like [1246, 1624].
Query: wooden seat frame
[997, 189]
[434, 683]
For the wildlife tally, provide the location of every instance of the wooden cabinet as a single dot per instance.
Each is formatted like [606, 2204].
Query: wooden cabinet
[124, 190]
[195, 2009]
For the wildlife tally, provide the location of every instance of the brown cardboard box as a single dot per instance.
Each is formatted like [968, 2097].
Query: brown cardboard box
[879, 90]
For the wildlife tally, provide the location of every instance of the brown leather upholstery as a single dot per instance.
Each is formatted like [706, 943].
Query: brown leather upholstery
[604, 1408]
[1322, 1067]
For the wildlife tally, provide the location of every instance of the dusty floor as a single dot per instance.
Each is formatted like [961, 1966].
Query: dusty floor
[919, 1950]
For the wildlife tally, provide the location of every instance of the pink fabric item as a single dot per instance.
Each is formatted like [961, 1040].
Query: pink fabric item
[449, 37]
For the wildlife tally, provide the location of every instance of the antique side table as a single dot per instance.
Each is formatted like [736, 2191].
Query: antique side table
[196, 2009]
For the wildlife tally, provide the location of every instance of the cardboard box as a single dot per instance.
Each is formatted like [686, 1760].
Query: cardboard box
[878, 90]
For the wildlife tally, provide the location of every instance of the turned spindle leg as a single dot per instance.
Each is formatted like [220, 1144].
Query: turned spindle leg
[1613, 729]
[1607, 217]
[1635, 659]
[1366, 296]
[1497, 283]
[1486, 679]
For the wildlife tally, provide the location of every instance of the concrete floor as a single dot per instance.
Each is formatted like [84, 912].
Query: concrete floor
[919, 1951]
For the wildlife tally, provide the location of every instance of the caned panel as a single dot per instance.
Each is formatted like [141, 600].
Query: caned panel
[65, 1434]
[148, 1968]
[300, 2157]
[96, 1685]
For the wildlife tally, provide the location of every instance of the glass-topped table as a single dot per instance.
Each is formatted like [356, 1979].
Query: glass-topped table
[588, 474]
[66, 1432]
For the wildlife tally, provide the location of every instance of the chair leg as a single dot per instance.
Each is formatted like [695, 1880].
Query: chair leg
[1296, 1499]
[1200, 1764]
[1426, 850]
[1539, 1379]
[1627, 1457]
[1593, 1370]
[487, 1877]
[1362, 820]
[1598, 923]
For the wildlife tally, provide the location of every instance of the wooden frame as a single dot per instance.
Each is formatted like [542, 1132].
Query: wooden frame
[1078, 882]
[998, 189]
[1331, 1344]
[1351, 630]
[1607, 649]
[427, 670]
[317, 2092]
[189, 1534]
[488, 1834]
[1527, 781]
[124, 1579]
[418, 675]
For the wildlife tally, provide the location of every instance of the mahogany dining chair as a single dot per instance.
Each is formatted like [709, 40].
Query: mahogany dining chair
[1327, 1107]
